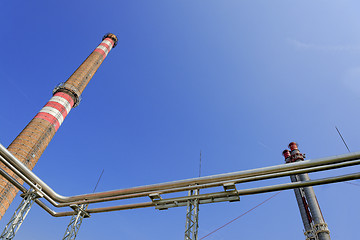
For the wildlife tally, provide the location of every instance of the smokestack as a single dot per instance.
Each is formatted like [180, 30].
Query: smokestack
[301, 201]
[287, 155]
[29, 145]
[308, 205]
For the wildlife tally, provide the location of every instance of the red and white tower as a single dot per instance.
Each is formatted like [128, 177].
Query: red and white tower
[29, 145]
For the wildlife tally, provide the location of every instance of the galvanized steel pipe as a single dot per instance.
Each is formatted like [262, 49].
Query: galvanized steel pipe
[176, 184]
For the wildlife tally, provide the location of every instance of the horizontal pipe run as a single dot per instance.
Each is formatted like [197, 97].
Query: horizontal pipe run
[235, 181]
[175, 184]
[287, 186]
[220, 194]
[243, 192]
[258, 190]
[121, 207]
[52, 212]
[172, 190]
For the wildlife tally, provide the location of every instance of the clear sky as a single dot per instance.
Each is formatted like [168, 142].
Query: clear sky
[237, 80]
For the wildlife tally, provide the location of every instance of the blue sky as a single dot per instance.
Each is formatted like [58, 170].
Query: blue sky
[237, 80]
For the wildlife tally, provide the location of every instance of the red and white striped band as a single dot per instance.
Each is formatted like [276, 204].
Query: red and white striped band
[56, 109]
[105, 47]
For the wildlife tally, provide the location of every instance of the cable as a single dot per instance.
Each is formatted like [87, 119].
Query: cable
[98, 180]
[348, 150]
[240, 216]
[200, 165]
[353, 183]
[342, 139]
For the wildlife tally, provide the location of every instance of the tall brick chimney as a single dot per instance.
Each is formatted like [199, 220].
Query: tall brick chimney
[29, 145]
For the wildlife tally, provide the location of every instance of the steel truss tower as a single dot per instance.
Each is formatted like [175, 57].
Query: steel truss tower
[311, 215]
[75, 222]
[19, 216]
[192, 217]
[76, 219]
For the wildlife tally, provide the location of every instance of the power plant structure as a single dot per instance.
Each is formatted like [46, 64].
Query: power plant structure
[29, 145]
[18, 160]
[311, 215]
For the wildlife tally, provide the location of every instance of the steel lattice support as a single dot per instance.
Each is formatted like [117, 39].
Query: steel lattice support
[19, 216]
[75, 222]
[192, 217]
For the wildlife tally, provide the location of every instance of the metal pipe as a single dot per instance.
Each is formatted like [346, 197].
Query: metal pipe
[273, 188]
[320, 228]
[202, 186]
[302, 208]
[25, 179]
[243, 192]
[12, 181]
[182, 183]
[40, 203]
[52, 212]
[286, 186]
[314, 207]
[239, 192]
[121, 207]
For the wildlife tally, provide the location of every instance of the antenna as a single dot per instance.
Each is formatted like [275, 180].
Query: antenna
[342, 139]
[200, 165]
[98, 180]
